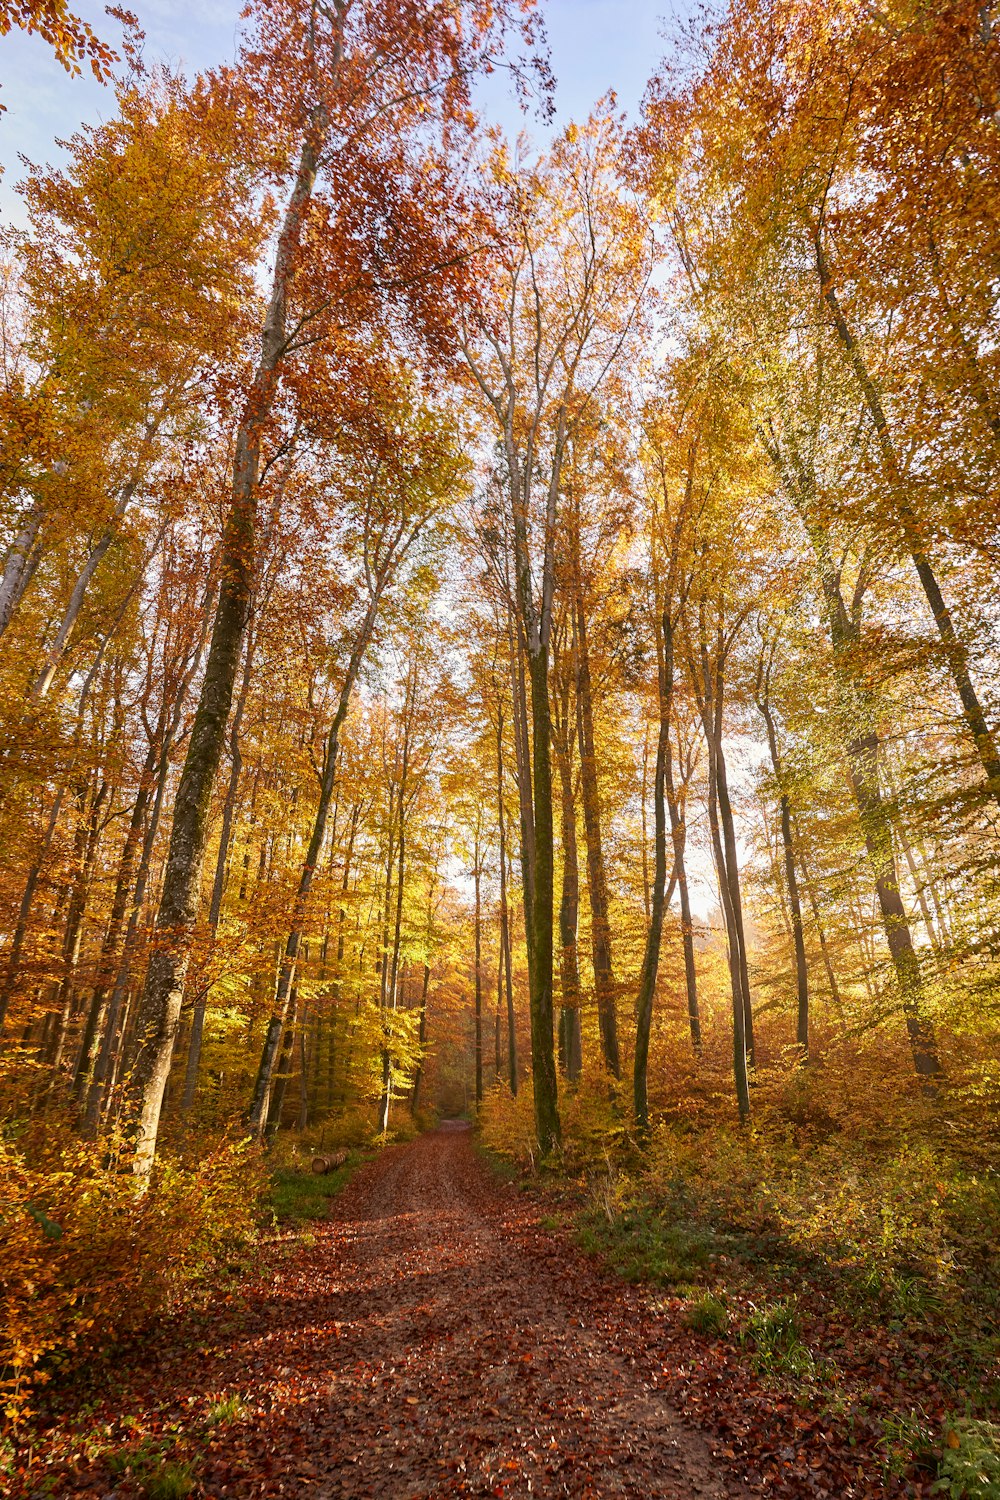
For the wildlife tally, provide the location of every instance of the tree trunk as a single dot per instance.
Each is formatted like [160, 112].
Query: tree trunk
[160, 1006]
[22, 559]
[476, 875]
[954, 650]
[569, 906]
[505, 918]
[659, 898]
[24, 911]
[791, 880]
[740, 1073]
[861, 746]
[600, 929]
[257, 1113]
[97, 1015]
[540, 950]
[678, 833]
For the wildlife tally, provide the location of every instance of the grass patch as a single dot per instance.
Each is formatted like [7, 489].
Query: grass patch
[641, 1245]
[298, 1197]
[155, 1474]
[226, 1409]
[707, 1314]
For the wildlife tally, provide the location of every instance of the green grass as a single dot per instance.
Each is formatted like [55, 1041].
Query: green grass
[300, 1196]
[970, 1462]
[707, 1314]
[643, 1246]
[226, 1409]
[171, 1482]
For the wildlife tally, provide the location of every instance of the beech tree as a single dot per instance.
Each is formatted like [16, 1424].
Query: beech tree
[567, 281]
[350, 93]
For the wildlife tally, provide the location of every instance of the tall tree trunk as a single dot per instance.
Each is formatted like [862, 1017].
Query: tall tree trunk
[543, 1067]
[97, 1015]
[791, 880]
[955, 652]
[160, 1006]
[660, 899]
[219, 883]
[505, 917]
[478, 944]
[257, 1113]
[861, 747]
[678, 834]
[421, 1038]
[569, 905]
[24, 910]
[600, 928]
[522, 761]
[73, 935]
[740, 1074]
[728, 867]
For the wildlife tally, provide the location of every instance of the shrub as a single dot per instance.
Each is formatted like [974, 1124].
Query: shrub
[84, 1259]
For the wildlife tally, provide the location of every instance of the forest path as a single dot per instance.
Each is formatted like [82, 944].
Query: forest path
[429, 1339]
[441, 1344]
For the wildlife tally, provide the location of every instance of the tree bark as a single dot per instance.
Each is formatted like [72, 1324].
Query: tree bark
[791, 880]
[600, 927]
[160, 1006]
[955, 652]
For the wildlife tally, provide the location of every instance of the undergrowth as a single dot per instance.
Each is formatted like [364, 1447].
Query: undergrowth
[850, 1206]
[86, 1259]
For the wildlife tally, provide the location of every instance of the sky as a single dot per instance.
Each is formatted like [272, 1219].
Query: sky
[596, 45]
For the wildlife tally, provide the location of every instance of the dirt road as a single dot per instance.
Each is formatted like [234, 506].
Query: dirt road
[429, 1339]
[440, 1345]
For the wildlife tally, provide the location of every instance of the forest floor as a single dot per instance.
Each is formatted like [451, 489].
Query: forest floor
[431, 1338]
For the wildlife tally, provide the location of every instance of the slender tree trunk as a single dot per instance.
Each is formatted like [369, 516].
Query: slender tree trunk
[569, 906]
[219, 883]
[678, 833]
[97, 1014]
[600, 928]
[861, 744]
[824, 945]
[24, 910]
[791, 880]
[73, 936]
[505, 918]
[477, 876]
[954, 649]
[422, 1039]
[540, 951]
[522, 757]
[257, 1113]
[160, 1006]
[740, 1073]
[660, 899]
[654, 934]
[729, 869]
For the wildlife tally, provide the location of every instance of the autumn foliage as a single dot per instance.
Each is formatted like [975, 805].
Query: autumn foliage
[507, 632]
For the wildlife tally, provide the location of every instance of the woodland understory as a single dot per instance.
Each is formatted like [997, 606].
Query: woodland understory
[510, 631]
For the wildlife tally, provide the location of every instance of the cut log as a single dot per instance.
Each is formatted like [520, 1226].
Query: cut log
[330, 1163]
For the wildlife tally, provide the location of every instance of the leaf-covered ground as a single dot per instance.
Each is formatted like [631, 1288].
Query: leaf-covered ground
[430, 1339]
